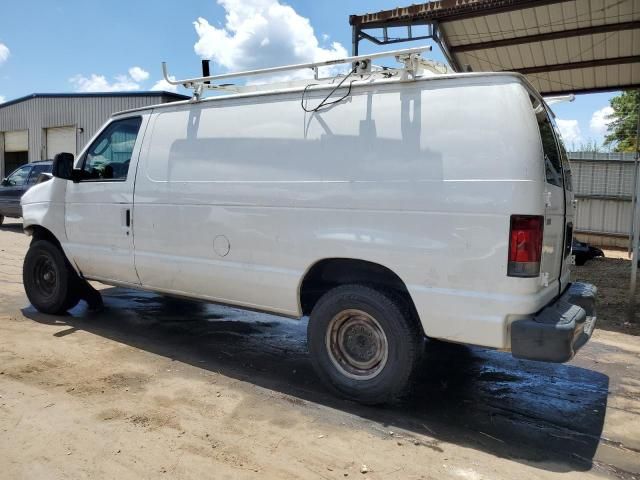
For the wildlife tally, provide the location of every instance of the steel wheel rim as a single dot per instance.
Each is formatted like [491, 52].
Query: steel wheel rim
[357, 344]
[45, 276]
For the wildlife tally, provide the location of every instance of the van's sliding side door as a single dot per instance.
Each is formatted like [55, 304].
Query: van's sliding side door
[99, 208]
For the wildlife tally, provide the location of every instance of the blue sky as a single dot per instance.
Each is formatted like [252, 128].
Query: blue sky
[91, 45]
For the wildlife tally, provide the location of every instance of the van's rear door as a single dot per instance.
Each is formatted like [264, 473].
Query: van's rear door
[554, 253]
[569, 210]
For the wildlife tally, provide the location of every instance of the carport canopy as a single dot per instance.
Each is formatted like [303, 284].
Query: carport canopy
[562, 46]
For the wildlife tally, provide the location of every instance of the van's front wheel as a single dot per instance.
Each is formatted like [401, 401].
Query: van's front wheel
[364, 343]
[49, 281]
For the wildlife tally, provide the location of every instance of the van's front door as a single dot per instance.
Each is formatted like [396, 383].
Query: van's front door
[99, 208]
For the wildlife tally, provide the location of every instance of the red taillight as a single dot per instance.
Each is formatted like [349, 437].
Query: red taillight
[525, 245]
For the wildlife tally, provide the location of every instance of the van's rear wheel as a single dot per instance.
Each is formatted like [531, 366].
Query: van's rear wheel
[364, 343]
[1, 219]
[49, 281]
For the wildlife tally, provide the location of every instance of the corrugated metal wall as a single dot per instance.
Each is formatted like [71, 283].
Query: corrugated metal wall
[84, 112]
[603, 184]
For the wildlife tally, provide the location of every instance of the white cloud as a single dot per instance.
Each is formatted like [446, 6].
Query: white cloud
[4, 53]
[261, 33]
[599, 120]
[99, 83]
[570, 131]
[163, 85]
[138, 74]
[2, 99]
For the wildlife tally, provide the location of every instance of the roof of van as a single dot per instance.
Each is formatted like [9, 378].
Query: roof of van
[471, 77]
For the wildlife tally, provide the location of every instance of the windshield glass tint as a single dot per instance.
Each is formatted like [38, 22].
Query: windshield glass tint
[36, 171]
[19, 177]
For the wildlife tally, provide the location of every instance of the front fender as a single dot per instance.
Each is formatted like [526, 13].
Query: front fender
[44, 205]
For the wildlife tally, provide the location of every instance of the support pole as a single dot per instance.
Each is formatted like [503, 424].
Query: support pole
[631, 312]
[438, 36]
[355, 39]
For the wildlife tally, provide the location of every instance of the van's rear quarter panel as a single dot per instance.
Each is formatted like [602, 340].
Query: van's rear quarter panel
[421, 178]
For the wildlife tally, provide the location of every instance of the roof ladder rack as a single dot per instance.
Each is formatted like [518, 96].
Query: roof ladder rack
[361, 65]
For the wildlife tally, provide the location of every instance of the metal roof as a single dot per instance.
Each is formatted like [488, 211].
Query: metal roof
[562, 46]
[154, 93]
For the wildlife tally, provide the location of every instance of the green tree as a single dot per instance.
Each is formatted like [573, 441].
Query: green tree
[622, 130]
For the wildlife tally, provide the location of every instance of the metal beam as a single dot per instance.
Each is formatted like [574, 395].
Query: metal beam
[399, 23]
[585, 91]
[377, 41]
[542, 37]
[603, 62]
[443, 10]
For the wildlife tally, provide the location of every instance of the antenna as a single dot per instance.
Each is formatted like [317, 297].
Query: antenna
[205, 70]
[361, 64]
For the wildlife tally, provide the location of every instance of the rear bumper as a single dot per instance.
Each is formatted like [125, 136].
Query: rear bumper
[561, 328]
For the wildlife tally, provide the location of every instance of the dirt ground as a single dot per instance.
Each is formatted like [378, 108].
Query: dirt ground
[611, 274]
[156, 388]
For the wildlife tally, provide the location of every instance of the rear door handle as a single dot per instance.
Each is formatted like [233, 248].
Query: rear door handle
[127, 216]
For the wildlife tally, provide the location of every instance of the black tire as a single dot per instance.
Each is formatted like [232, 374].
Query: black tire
[49, 281]
[336, 362]
[1, 219]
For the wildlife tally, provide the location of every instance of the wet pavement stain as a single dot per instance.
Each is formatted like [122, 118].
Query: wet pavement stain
[536, 413]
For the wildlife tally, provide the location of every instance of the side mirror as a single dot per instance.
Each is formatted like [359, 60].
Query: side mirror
[63, 166]
[5, 182]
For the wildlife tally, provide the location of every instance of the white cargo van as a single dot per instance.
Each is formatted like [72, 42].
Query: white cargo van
[414, 207]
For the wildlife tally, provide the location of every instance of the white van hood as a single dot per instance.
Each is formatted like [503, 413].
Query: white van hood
[50, 191]
[43, 205]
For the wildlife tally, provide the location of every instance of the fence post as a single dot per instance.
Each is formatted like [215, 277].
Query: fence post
[635, 209]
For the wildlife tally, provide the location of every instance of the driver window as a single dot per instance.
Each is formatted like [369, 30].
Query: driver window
[109, 155]
[19, 177]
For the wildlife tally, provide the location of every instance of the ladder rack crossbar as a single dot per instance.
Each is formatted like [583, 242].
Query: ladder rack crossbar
[192, 82]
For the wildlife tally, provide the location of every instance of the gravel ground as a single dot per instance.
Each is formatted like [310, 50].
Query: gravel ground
[611, 274]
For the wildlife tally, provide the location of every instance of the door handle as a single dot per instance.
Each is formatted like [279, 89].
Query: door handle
[125, 219]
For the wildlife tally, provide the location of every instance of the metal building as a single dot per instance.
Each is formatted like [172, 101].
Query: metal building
[38, 126]
[603, 184]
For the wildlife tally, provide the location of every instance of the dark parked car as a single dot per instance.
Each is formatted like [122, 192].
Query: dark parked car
[584, 251]
[18, 182]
